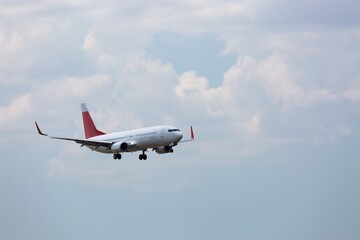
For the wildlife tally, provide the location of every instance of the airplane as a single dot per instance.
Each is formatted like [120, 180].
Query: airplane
[161, 139]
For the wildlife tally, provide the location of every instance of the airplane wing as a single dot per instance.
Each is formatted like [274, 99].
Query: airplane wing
[83, 142]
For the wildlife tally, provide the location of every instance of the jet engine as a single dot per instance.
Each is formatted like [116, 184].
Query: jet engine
[119, 146]
[165, 149]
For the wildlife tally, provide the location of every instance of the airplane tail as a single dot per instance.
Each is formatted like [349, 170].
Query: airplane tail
[89, 126]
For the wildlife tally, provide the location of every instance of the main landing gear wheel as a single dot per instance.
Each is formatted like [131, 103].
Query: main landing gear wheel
[143, 156]
[117, 156]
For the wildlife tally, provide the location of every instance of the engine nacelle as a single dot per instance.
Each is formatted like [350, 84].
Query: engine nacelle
[165, 149]
[120, 146]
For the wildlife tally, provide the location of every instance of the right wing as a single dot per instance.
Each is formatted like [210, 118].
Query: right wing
[83, 142]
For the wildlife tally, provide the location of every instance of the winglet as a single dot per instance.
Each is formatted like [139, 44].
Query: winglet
[192, 133]
[39, 130]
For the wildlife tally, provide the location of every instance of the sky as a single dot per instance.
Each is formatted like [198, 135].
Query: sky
[271, 88]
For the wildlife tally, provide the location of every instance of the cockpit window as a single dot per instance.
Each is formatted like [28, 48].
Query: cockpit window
[174, 130]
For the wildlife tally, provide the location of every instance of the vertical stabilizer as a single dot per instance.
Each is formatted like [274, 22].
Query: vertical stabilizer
[89, 126]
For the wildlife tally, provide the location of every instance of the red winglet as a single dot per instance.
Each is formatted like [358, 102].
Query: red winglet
[192, 133]
[39, 130]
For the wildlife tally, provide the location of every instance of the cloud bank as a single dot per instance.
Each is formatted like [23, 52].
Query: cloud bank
[58, 54]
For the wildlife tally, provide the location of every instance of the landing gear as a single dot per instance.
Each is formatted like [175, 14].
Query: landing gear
[143, 156]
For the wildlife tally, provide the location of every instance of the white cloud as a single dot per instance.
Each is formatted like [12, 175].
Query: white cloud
[11, 43]
[91, 44]
[12, 114]
[192, 86]
[273, 75]
[113, 118]
[50, 101]
[80, 87]
[145, 77]
[220, 10]
[195, 91]
[252, 126]
[282, 87]
[277, 81]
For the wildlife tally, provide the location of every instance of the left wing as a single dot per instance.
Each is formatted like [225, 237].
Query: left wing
[83, 142]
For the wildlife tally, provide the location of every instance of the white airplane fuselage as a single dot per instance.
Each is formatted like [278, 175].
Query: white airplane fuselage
[139, 139]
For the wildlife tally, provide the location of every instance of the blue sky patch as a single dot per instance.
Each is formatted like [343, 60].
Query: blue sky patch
[201, 53]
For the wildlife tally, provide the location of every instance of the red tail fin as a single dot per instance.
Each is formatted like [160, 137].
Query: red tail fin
[89, 126]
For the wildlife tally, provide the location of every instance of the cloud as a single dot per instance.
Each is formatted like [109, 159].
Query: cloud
[189, 82]
[353, 95]
[252, 126]
[282, 87]
[220, 10]
[79, 87]
[277, 81]
[49, 101]
[92, 46]
[90, 43]
[192, 86]
[52, 60]
[12, 114]
[281, 98]
[249, 79]
[332, 134]
[138, 176]
[68, 163]
[11, 46]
